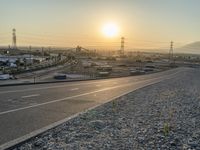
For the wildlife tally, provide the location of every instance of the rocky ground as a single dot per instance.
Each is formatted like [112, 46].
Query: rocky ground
[162, 116]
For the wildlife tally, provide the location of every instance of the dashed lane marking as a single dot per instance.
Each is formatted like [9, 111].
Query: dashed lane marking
[74, 89]
[33, 95]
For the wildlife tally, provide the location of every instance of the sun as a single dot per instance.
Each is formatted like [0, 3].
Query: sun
[110, 30]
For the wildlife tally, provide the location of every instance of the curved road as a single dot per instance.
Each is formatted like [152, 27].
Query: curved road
[24, 109]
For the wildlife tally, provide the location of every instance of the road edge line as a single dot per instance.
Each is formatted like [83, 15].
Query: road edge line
[11, 144]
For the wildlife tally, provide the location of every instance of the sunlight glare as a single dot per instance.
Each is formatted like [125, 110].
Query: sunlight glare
[110, 30]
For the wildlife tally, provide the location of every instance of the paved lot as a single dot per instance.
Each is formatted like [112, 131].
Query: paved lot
[28, 108]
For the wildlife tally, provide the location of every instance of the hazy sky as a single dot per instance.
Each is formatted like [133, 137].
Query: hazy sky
[143, 23]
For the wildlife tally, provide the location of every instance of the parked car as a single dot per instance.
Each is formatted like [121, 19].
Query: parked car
[60, 76]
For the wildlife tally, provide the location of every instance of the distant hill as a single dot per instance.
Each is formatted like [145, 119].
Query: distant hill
[192, 48]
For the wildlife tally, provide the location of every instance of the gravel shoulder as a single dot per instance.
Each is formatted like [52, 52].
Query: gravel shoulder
[165, 115]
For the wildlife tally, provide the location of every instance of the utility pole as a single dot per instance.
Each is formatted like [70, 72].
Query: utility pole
[30, 54]
[42, 53]
[14, 39]
[171, 53]
[122, 46]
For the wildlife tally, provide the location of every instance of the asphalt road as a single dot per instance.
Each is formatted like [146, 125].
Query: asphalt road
[24, 109]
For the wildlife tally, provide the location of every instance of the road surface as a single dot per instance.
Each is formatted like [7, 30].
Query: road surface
[24, 109]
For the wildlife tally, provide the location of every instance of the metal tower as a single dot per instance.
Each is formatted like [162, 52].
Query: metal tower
[171, 53]
[14, 40]
[122, 46]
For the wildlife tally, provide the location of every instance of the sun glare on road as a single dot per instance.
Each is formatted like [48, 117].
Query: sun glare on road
[110, 30]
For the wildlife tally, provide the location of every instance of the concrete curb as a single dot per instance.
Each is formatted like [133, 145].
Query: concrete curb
[59, 81]
[78, 80]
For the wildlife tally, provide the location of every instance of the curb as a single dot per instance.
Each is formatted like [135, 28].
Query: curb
[49, 82]
[78, 80]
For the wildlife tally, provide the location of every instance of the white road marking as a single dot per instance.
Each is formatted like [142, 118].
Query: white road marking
[33, 95]
[34, 133]
[42, 130]
[9, 100]
[60, 86]
[63, 99]
[74, 89]
[50, 87]
[151, 81]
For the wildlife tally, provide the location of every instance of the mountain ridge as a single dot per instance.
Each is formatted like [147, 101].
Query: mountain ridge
[193, 47]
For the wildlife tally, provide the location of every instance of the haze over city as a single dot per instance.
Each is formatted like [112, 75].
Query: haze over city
[145, 24]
